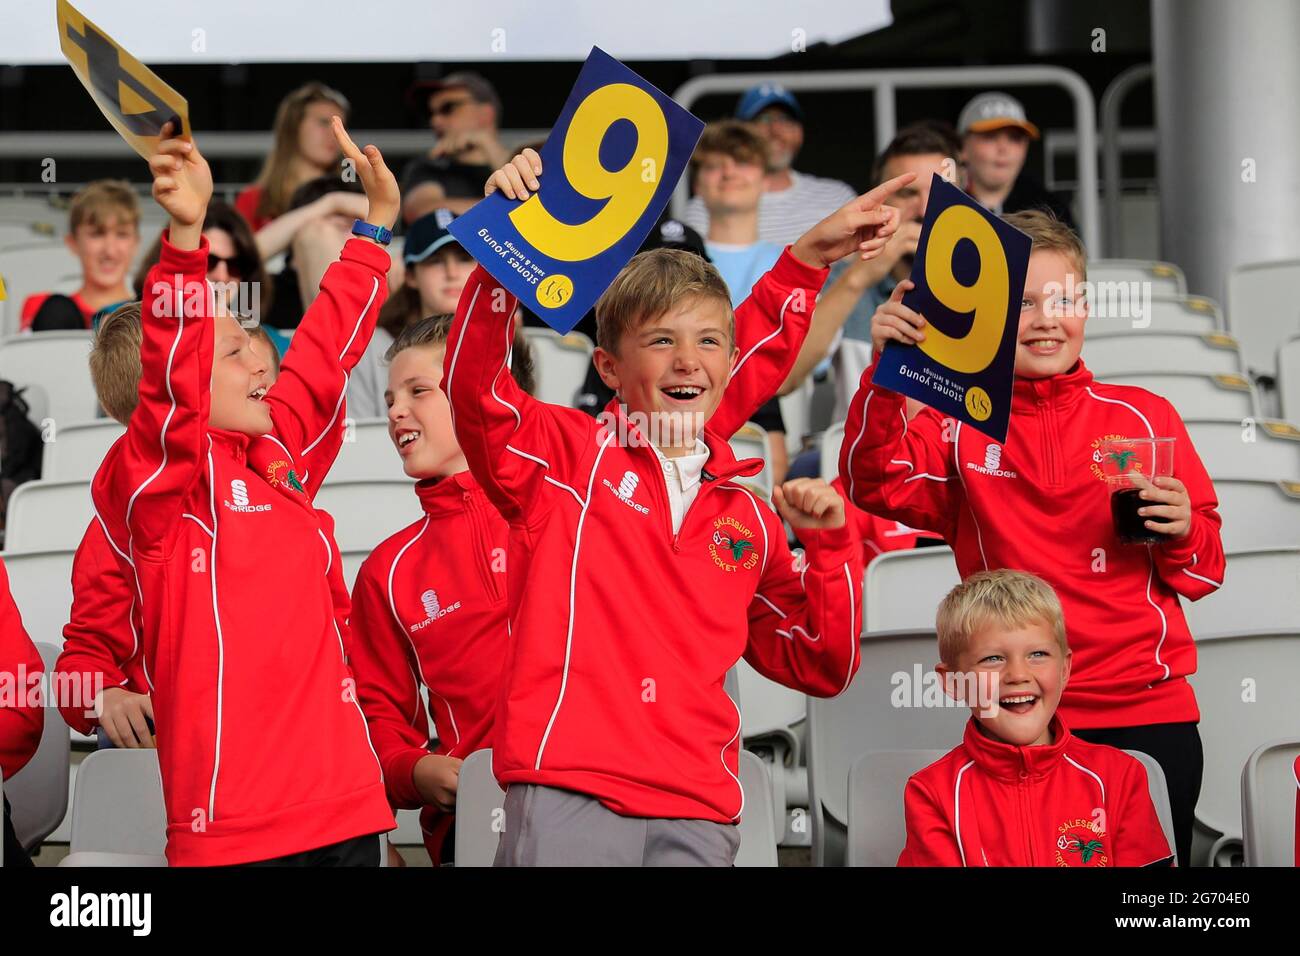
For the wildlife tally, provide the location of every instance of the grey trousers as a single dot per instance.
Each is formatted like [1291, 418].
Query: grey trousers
[546, 826]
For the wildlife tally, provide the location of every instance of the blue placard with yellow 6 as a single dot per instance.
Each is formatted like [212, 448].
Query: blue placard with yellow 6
[608, 169]
[969, 276]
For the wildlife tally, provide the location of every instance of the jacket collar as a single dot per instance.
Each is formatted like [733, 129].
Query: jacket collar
[1007, 761]
[721, 464]
[441, 496]
[233, 443]
[1060, 390]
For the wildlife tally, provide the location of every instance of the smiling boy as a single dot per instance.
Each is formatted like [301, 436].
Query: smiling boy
[1021, 790]
[1045, 507]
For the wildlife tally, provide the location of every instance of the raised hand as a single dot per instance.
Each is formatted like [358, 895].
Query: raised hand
[516, 177]
[862, 225]
[376, 178]
[893, 320]
[809, 503]
[182, 185]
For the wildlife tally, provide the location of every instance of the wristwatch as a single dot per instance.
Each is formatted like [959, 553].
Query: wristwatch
[379, 234]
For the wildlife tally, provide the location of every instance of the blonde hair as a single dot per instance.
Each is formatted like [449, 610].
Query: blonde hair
[1001, 598]
[274, 179]
[1049, 234]
[101, 202]
[651, 284]
[115, 361]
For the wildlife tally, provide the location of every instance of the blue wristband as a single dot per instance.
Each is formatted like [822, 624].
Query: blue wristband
[380, 234]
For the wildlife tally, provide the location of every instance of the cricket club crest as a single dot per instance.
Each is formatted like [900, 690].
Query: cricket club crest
[279, 473]
[1081, 843]
[1097, 457]
[732, 545]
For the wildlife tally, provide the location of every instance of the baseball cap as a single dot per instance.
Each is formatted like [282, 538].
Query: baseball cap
[474, 83]
[759, 98]
[427, 235]
[994, 110]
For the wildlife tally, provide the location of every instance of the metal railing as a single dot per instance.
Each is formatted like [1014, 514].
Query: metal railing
[1112, 98]
[884, 85]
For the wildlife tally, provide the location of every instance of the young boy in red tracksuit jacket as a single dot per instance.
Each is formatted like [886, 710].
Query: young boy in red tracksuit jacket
[102, 659]
[262, 746]
[1021, 790]
[22, 719]
[641, 570]
[1039, 502]
[453, 560]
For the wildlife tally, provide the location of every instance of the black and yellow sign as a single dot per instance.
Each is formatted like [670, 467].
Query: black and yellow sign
[130, 94]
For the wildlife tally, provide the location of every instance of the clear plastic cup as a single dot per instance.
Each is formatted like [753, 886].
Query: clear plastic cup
[1129, 465]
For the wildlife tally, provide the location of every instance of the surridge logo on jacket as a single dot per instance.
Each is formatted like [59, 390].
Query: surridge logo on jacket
[626, 488]
[992, 463]
[732, 545]
[279, 473]
[239, 493]
[432, 609]
[1081, 843]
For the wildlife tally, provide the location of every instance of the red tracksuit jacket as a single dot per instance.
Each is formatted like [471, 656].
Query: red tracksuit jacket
[1039, 503]
[1067, 803]
[262, 745]
[22, 717]
[622, 632]
[453, 561]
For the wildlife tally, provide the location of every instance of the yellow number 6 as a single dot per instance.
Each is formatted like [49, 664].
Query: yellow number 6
[987, 298]
[628, 190]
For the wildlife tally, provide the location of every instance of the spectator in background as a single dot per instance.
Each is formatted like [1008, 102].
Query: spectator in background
[793, 202]
[465, 115]
[441, 184]
[728, 172]
[104, 233]
[303, 148]
[995, 143]
[233, 260]
[437, 268]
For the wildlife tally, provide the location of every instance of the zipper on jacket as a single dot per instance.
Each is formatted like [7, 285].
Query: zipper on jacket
[1050, 442]
[1022, 803]
[483, 545]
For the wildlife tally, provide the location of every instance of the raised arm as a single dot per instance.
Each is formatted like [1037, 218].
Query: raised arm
[307, 401]
[805, 621]
[165, 445]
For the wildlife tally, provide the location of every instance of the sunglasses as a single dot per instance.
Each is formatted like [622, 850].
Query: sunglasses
[448, 107]
[235, 265]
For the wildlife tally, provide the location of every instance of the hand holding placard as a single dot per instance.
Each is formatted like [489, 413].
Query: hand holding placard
[947, 336]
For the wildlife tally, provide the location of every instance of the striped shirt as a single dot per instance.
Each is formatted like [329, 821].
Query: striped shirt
[786, 215]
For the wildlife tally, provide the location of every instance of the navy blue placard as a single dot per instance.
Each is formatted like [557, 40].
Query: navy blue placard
[966, 366]
[561, 248]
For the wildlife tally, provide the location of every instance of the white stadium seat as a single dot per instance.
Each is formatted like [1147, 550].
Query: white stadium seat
[1269, 790]
[43, 267]
[74, 452]
[367, 512]
[1227, 397]
[38, 794]
[894, 702]
[561, 362]
[1165, 278]
[1246, 691]
[1260, 592]
[877, 825]
[48, 515]
[1258, 514]
[41, 584]
[1288, 378]
[367, 453]
[750, 441]
[118, 816]
[1141, 351]
[1190, 314]
[54, 366]
[1262, 309]
[796, 409]
[832, 439]
[1258, 451]
[769, 709]
[903, 588]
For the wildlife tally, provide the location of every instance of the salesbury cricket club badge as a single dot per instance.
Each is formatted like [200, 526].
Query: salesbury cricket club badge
[279, 473]
[1081, 843]
[732, 545]
[1098, 456]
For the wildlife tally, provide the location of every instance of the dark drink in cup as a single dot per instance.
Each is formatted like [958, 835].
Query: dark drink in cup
[1129, 525]
[1130, 465]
